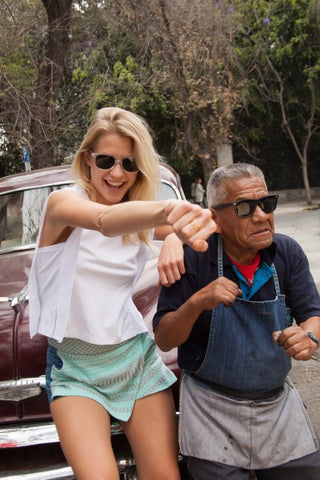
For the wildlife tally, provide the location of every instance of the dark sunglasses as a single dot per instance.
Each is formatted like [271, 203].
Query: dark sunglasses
[106, 162]
[246, 208]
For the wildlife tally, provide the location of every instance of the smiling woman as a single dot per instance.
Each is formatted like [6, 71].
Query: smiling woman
[92, 246]
[25, 419]
[114, 173]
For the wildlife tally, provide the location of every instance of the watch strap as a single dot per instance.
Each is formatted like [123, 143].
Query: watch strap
[313, 338]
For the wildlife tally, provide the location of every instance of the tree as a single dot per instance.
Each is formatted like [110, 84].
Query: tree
[188, 49]
[109, 65]
[19, 42]
[187, 67]
[279, 45]
[33, 54]
[50, 73]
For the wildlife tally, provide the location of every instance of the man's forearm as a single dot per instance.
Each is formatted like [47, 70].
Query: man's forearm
[174, 328]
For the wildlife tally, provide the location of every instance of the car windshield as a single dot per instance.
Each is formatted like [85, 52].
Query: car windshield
[20, 213]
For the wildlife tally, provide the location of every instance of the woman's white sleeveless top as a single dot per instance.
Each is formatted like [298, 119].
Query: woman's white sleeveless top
[83, 288]
[102, 309]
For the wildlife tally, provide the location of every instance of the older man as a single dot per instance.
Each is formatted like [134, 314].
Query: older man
[241, 311]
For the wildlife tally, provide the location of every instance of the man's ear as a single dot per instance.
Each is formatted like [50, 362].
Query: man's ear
[216, 219]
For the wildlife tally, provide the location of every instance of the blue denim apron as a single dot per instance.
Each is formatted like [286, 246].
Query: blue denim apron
[240, 353]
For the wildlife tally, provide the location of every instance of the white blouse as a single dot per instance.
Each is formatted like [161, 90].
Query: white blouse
[82, 288]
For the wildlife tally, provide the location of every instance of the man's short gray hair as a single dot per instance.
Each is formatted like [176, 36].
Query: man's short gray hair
[215, 187]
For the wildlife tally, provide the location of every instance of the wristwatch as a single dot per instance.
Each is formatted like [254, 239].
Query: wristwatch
[314, 338]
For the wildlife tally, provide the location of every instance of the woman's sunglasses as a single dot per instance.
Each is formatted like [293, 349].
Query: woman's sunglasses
[246, 208]
[106, 162]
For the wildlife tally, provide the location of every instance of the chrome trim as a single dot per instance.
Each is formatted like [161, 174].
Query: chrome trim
[174, 187]
[45, 433]
[34, 187]
[17, 248]
[26, 435]
[16, 298]
[17, 390]
[14, 436]
[19, 297]
[64, 472]
[60, 472]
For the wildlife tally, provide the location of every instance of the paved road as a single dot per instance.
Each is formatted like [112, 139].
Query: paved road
[294, 219]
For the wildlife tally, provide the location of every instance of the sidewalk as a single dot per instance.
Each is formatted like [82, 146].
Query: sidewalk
[294, 219]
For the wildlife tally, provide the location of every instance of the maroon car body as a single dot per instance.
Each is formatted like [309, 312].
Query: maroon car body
[28, 440]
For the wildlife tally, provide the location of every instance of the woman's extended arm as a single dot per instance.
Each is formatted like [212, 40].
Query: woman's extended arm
[67, 209]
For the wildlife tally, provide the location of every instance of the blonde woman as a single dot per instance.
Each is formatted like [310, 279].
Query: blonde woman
[92, 247]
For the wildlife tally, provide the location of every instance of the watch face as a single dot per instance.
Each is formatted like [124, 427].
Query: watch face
[313, 337]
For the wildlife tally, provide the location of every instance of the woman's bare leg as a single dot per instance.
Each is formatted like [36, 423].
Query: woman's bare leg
[84, 430]
[152, 433]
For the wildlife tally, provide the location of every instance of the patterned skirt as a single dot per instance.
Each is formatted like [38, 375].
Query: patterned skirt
[113, 375]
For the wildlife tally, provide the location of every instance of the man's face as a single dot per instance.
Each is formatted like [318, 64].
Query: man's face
[244, 237]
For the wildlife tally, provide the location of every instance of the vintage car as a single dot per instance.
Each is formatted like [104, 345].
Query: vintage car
[29, 445]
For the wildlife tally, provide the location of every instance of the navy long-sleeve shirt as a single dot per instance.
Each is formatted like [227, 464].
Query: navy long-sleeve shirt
[295, 280]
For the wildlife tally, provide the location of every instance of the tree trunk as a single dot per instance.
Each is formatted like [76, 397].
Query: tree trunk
[209, 163]
[50, 74]
[306, 182]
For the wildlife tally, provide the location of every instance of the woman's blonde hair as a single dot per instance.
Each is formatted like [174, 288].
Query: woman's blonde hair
[113, 120]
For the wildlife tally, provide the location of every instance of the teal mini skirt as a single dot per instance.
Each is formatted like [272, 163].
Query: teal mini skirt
[115, 376]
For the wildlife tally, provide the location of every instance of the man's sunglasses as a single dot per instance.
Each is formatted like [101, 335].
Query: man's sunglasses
[246, 208]
[106, 162]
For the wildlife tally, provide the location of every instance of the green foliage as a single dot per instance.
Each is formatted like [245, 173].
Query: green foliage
[279, 43]
[210, 71]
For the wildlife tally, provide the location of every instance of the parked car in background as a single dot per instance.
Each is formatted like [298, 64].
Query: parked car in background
[29, 445]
